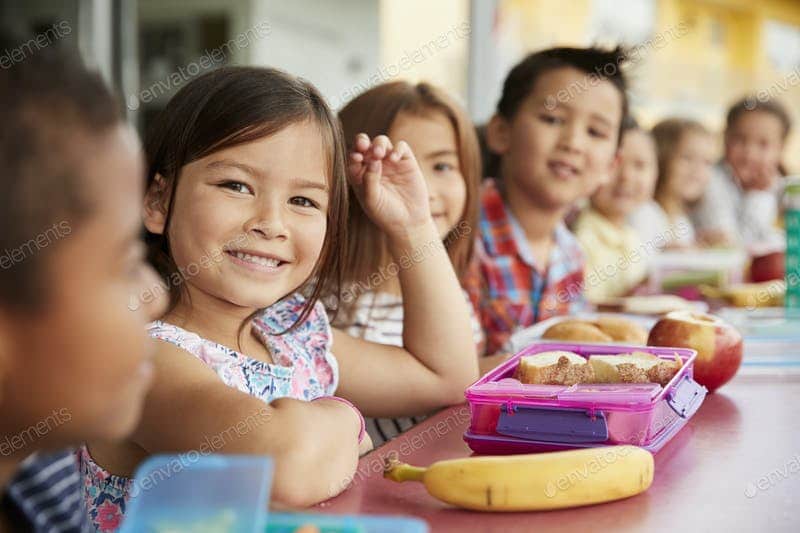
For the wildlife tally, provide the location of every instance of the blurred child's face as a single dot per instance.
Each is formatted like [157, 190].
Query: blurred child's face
[634, 180]
[561, 155]
[433, 141]
[81, 367]
[690, 167]
[753, 146]
[248, 222]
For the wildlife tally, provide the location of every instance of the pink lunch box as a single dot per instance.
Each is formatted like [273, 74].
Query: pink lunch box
[510, 417]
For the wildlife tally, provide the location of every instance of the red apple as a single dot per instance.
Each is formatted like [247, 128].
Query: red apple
[767, 267]
[719, 345]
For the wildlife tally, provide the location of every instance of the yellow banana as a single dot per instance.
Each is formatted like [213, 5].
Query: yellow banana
[533, 482]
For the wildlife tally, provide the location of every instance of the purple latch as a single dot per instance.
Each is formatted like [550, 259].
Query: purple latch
[572, 426]
[685, 398]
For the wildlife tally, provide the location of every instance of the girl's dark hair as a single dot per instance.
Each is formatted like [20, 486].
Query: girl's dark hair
[668, 135]
[752, 104]
[232, 106]
[52, 109]
[604, 64]
[374, 112]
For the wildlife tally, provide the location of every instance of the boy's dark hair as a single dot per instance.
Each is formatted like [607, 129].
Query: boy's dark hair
[51, 104]
[751, 104]
[604, 64]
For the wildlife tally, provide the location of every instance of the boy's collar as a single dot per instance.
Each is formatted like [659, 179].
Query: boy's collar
[501, 216]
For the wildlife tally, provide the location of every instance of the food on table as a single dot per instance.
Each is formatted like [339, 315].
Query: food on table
[560, 367]
[576, 330]
[768, 267]
[606, 328]
[766, 294]
[637, 367]
[533, 482]
[622, 329]
[557, 367]
[719, 345]
[658, 304]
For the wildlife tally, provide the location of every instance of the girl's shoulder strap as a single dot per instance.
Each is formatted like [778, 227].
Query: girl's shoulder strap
[186, 340]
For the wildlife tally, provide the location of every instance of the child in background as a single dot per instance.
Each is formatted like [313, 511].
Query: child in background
[740, 206]
[75, 362]
[555, 145]
[245, 213]
[442, 137]
[615, 264]
[685, 156]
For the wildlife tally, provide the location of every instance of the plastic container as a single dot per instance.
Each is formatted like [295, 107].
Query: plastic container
[680, 272]
[510, 417]
[791, 205]
[289, 522]
[200, 493]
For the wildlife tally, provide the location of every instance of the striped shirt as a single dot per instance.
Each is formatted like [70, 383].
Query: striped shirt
[378, 317]
[45, 495]
[508, 289]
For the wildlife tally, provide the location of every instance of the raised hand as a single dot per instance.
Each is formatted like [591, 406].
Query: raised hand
[389, 184]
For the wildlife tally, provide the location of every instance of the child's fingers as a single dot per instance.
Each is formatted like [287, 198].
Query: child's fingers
[381, 145]
[355, 168]
[355, 174]
[362, 142]
[372, 179]
[401, 151]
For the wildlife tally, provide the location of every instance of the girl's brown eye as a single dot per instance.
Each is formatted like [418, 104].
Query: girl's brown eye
[302, 201]
[237, 186]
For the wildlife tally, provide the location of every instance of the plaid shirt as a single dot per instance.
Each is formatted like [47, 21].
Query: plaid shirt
[507, 288]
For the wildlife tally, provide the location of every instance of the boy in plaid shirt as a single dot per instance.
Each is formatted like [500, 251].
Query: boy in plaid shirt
[554, 140]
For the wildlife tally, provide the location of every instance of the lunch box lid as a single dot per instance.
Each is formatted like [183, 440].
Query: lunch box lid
[498, 387]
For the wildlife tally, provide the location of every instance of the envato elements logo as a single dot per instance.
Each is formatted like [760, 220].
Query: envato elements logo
[211, 58]
[406, 261]
[407, 445]
[33, 45]
[207, 447]
[609, 70]
[30, 435]
[764, 483]
[590, 468]
[602, 273]
[414, 57]
[35, 245]
[175, 279]
[779, 87]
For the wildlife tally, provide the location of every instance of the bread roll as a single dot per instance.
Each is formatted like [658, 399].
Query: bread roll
[576, 331]
[622, 329]
[555, 367]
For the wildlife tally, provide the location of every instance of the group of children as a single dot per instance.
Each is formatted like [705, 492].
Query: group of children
[302, 269]
[667, 192]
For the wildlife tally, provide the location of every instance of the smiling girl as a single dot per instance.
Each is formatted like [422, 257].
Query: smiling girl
[246, 202]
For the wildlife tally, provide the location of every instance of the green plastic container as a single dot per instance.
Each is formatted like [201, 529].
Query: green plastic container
[791, 205]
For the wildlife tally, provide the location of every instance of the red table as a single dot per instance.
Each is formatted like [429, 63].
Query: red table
[734, 467]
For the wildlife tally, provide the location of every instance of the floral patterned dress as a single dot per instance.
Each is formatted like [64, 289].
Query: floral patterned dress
[303, 368]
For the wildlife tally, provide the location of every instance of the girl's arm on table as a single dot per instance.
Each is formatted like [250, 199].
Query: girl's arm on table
[438, 359]
[314, 444]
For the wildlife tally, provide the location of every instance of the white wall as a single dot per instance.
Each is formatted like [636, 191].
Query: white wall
[334, 45]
